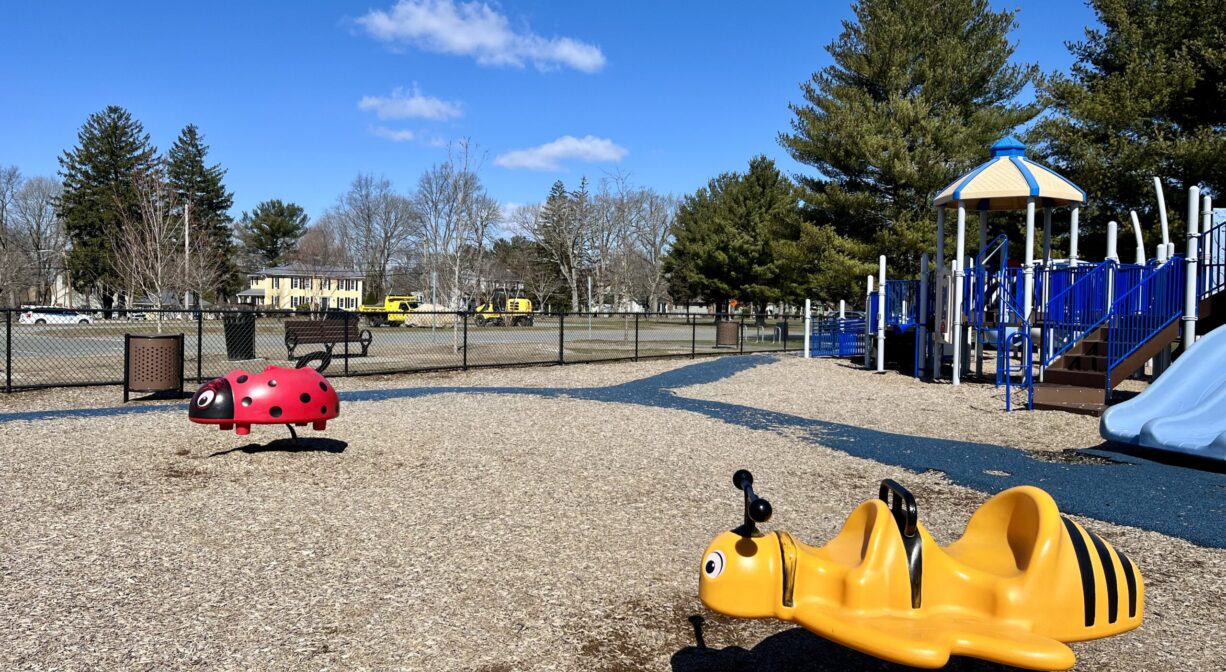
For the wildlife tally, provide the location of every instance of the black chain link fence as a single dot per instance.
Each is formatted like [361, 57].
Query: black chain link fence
[84, 348]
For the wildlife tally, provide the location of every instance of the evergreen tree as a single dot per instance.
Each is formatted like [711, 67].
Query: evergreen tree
[733, 239]
[1146, 98]
[271, 231]
[917, 92]
[99, 194]
[200, 187]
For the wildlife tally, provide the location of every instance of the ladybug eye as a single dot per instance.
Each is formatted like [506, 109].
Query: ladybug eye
[205, 398]
[713, 566]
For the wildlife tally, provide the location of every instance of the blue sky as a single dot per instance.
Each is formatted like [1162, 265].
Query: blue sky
[296, 98]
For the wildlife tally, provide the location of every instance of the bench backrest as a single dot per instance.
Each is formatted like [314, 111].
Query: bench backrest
[323, 331]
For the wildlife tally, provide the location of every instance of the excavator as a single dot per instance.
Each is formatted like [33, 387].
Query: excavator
[504, 310]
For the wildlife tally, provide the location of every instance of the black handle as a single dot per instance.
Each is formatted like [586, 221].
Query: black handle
[757, 509]
[906, 516]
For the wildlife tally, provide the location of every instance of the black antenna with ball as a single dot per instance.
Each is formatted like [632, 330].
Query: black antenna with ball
[757, 510]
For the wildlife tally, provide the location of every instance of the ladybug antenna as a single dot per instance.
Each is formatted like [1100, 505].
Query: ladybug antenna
[757, 510]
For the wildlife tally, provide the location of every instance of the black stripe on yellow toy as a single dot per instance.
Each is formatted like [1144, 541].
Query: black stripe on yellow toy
[1113, 591]
[1131, 577]
[1083, 563]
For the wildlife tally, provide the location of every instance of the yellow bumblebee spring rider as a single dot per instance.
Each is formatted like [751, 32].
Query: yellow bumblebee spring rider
[1019, 583]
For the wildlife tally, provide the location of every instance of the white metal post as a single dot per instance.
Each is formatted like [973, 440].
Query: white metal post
[434, 301]
[842, 309]
[1074, 231]
[808, 327]
[921, 329]
[1113, 232]
[1028, 268]
[881, 315]
[937, 346]
[958, 273]
[1166, 235]
[868, 325]
[1191, 299]
[1136, 231]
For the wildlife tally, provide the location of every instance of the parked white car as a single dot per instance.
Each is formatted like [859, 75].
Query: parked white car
[40, 315]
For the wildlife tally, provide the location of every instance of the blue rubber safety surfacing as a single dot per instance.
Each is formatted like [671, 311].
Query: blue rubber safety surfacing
[1127, 490]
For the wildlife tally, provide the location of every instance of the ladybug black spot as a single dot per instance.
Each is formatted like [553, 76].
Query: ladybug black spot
[246, 401]
[323, 386]
[242, 378]
[272, 383]
[275, 411]
[306, 398]
[323, 409]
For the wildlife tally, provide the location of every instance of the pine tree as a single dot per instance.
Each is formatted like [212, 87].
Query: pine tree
[271, 231]
[208, 203]
[99, 194]
[1146, 98]
[732, 239]
[918, 90]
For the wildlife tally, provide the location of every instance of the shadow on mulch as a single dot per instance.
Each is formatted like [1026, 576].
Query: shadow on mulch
[796, 649]
[302, 445]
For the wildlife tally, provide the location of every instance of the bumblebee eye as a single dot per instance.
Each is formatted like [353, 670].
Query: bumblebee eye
[713, 566]
[205, 398]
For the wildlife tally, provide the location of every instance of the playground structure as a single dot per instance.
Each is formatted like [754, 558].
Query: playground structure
[1021, 581]
[1079, 327]
[275, 396]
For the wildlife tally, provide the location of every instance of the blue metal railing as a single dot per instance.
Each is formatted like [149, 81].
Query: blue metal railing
[1077, 310]
[1211, 268]
[901, 303]
[837, 337]
[1140, 313]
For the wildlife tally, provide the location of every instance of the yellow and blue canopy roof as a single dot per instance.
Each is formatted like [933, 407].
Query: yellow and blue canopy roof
[1007, 180]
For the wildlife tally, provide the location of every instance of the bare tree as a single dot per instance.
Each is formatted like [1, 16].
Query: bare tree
[652, 235]
[10, 249]
[148, 250]
[377, 224]
[40, 232]
[321, 253]
[457, 217]
[561, 228]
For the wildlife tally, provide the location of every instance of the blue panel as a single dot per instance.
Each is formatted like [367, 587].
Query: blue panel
[1021, 168]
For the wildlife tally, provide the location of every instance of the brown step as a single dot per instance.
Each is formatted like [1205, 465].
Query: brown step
[1092, 363]
[1069, 398]
[1090, 379]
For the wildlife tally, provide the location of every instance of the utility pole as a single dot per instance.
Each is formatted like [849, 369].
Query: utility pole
[187, 253]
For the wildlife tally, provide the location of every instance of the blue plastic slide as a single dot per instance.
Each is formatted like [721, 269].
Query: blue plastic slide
[1184, 410]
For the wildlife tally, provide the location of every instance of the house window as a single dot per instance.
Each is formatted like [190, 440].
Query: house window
[326, 284]
[276, 283]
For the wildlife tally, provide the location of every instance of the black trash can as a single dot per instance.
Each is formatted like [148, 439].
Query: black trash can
[239, 328]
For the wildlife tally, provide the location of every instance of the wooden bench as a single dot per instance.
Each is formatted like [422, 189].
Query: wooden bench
[328, 333]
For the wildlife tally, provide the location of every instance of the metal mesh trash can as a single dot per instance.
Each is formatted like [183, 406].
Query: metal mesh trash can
[727, 334]
[239, 328]
[152, 363]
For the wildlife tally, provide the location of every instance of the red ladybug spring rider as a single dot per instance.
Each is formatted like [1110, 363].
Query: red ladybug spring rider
[275, 396]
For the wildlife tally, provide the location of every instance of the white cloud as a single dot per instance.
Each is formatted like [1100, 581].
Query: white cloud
[410, 105]
[478, 30]
[395, 135]
[589, 148]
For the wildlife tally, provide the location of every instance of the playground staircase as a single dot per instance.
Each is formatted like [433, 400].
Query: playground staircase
[1077, 382]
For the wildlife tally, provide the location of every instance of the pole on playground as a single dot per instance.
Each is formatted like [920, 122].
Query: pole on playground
[958, 277]
[1166, 232]
[808, 327]
[1136, 232]
[1190, 277]
[921, 328]
[868, 324]
[881, 315]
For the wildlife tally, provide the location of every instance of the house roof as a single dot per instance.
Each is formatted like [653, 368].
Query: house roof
[303, 271]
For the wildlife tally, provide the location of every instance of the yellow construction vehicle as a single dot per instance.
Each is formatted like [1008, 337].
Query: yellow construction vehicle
[504, 311]
[392, 311]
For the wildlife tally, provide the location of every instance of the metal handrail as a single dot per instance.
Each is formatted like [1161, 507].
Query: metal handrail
[1073, 313]
[1144, 311]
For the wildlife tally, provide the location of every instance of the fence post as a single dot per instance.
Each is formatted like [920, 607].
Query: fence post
[8, 351]
[784, 336]
[465, 364]
[636, 337]
[693, 336]
[562, 337]
[346, 344]
[199, 344]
